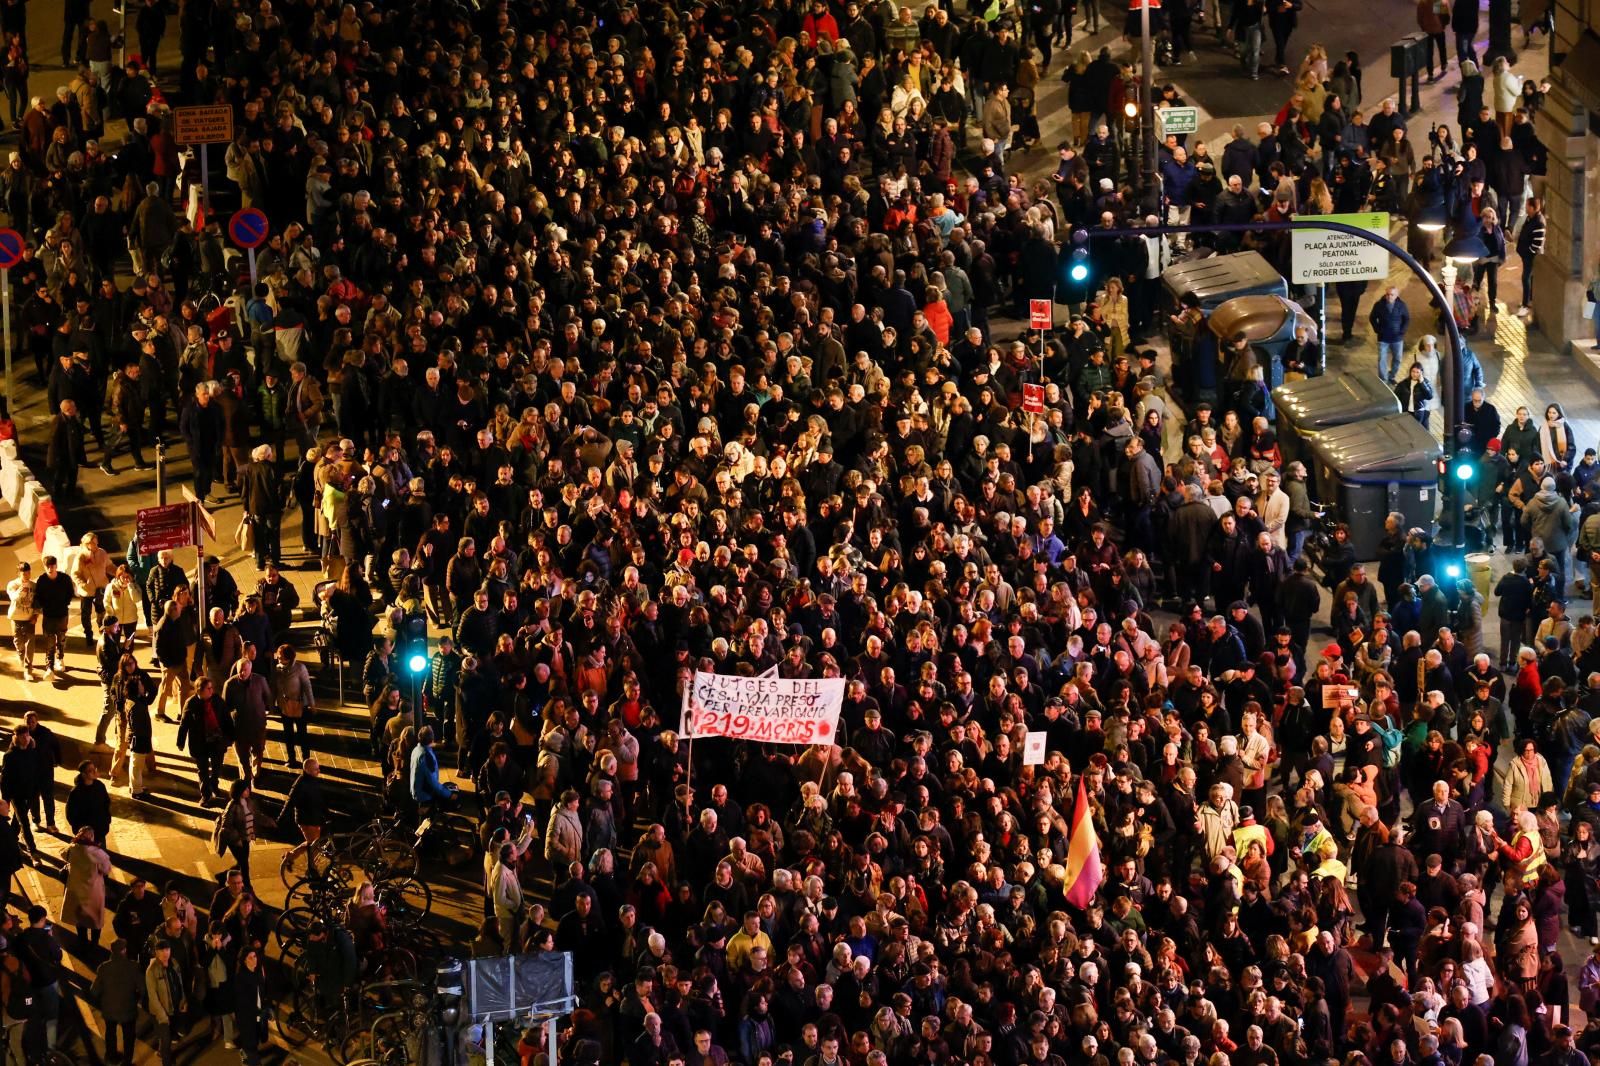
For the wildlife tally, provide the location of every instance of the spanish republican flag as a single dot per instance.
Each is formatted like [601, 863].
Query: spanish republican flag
[1084, 872]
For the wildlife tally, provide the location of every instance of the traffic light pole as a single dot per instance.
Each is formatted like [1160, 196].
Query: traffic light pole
[1452, 403]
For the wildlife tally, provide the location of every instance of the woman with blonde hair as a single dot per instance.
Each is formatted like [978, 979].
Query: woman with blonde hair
[1319, 200]
[1114, 309]
[1310, 88]
[1078, 100]
[1315, 63]
[1493, 235]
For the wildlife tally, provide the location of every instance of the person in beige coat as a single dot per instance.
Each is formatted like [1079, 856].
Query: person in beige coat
[164, 997]
[1272, 504]
[84, 905]
[997, 120]
[89, 566]
[506, 895]
[563, 839]
[1527, 777]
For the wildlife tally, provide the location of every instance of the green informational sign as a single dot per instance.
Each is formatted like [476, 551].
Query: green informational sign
[1178, 120]
[1322, 256]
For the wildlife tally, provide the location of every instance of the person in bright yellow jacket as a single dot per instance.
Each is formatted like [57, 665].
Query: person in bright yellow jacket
[1249, 830]
[1330, 865]
[750, 937]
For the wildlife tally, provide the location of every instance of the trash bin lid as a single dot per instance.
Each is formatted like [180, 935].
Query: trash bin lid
[1392, 448]
[1260, 318]
[1214, 279]
[1335, 400]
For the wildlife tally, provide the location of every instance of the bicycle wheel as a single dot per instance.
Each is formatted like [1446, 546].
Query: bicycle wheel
[316, 861]
[293, 929]
[350, 1046]
[308, 894]
[295, 1028]
[395, 1037]
[407, 900]
[387, 856]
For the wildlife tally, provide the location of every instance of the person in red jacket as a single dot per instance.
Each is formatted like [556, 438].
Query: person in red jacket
[164, 150]
[820, 23]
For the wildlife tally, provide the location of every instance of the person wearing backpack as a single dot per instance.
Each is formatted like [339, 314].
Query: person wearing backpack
[24, 616]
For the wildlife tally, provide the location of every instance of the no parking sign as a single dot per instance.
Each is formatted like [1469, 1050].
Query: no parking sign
[248, 229]
[11, 248]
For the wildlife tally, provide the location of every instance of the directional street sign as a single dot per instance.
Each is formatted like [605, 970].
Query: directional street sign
[1320, 256]
[209, 124]
[204, 520]
[163, 528]
[1178, 120]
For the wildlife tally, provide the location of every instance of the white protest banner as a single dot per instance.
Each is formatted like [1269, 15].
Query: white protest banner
[766, 709]
[1033, 749]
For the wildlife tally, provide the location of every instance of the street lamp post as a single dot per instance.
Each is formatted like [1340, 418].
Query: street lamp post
[1453, 403]
[417, 664]
[1147, 91]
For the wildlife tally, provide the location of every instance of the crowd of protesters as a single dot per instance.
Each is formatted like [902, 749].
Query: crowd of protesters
[595, 345]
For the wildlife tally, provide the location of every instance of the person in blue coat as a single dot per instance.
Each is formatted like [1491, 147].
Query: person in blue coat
[1390, 318]
[426, 788]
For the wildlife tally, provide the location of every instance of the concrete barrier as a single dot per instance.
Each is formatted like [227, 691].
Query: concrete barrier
[13, 476]
[56, 542]
[33, 494]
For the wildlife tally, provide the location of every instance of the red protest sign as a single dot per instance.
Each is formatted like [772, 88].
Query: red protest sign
[1033, 399]
[1040, 315]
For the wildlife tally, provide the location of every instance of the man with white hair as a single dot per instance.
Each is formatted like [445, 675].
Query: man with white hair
[1216, 819]
[200, 424]
[262, 495]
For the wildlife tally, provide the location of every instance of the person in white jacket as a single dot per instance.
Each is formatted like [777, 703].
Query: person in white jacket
[121, 601]
[1505, 88]
[505, 889]
[24, 616]
[89, 566]
[1427, 357]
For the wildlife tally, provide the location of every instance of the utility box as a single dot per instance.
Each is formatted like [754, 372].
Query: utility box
[1305, 408]
[1408, 55]
[1365, 470]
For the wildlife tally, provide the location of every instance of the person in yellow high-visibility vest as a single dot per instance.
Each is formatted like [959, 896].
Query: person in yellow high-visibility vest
[1524, 853]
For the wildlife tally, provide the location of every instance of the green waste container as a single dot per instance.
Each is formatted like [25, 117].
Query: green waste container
[1367, 469]
[1315, 404]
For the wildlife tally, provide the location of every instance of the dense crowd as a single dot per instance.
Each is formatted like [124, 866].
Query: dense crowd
[597, 345]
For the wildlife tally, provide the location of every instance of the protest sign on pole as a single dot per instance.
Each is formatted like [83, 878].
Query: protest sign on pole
[766, 709]
[1033, 749]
